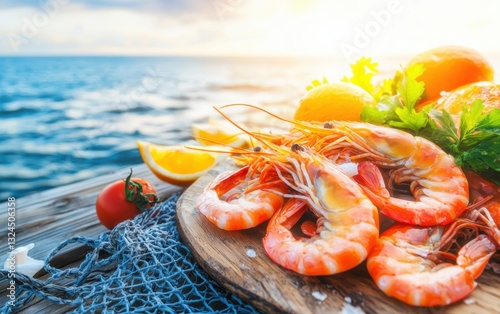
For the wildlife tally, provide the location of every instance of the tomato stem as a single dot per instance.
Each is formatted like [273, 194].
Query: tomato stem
[133, 193]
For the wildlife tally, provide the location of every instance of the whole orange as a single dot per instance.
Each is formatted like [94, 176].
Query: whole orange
[488, 92]
[449, 67]
[333, 101]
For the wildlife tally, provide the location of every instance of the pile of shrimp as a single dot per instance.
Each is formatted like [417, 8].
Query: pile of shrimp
[337, 180]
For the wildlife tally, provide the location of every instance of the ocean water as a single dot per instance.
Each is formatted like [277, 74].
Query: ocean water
[66, 119]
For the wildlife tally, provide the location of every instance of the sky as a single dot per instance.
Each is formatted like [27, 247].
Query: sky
[246, 27]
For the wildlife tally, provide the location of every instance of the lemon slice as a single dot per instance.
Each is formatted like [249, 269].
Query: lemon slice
[177, 164]
[218, 133]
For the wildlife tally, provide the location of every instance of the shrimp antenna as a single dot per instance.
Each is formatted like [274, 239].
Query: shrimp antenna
[259, 137]
[258, 108]
[251, 134]
[232, 150]
[305, 125]
[214, 141]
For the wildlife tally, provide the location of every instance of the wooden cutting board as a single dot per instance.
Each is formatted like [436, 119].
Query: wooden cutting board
[227, 257]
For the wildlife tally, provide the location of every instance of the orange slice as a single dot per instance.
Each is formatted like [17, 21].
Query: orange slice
[218, 133]
[177, 164]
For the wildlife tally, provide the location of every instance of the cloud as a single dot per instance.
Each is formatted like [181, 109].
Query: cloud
[86, 27]
[244, 27]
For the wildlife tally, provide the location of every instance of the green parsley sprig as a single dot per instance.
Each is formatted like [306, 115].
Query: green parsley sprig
[475, 143]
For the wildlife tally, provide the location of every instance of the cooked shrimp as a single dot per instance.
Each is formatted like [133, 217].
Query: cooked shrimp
[347, 224]
[438, 185]
[407, 264]
[242, 209]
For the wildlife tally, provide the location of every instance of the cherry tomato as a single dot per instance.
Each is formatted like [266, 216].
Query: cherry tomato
[123, 200]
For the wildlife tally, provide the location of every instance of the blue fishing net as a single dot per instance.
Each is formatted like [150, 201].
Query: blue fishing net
[140, 266]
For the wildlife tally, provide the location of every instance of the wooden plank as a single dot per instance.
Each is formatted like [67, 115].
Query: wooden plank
[272, 289]
[50, 217]
[53, 216]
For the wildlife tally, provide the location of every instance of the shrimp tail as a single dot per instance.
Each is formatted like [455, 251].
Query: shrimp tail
[371, 180]
[474, 256]
[289, 214]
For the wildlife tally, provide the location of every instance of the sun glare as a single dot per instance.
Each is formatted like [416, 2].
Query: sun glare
[228, 27]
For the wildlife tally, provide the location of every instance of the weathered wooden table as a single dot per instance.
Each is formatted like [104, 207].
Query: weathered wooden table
[55, 215]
